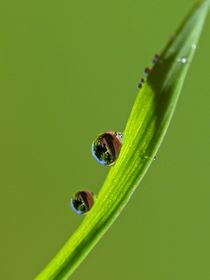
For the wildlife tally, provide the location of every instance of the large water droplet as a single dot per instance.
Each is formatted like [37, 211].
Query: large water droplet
[106, 147]
[82, 202]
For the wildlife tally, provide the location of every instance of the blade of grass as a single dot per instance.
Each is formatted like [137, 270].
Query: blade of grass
[145, 130]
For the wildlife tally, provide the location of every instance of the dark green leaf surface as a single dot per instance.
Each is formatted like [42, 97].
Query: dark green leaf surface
[145, 130]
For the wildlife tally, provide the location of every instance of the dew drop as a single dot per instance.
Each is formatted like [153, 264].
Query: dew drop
[155, 58]
[182, 60]
[120, 135]
[140, 84]
[106, 147]
[82, 202]
[155, 157]
[194, 46]
[147, 71]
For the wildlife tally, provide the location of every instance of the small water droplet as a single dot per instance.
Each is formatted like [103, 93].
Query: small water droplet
[106, 147]
[155, 58]
[194, 46]
[147, 71]
[82, 202]
[182, 60]
[120, 135]
[140, 84]
[155, 157]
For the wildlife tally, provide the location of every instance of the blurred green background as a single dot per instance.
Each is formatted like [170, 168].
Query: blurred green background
[68, 71]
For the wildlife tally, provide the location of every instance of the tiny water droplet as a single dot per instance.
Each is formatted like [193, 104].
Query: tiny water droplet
[82, 202]
[140, 84]
[155, 157]
[120, 135]
[106, 147]
[182, 60]
[155, 58]
[147, 71]
[194, 46]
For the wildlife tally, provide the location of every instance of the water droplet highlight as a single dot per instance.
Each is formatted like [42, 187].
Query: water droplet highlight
[82, 202]
[182, 60]
[155, 157]
[106, 147]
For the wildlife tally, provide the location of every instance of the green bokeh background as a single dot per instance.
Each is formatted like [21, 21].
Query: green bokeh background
[69, 70]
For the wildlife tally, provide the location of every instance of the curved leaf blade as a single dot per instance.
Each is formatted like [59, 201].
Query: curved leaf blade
[145, 130]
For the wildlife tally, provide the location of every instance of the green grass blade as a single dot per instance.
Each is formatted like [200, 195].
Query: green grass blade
[145, 130]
